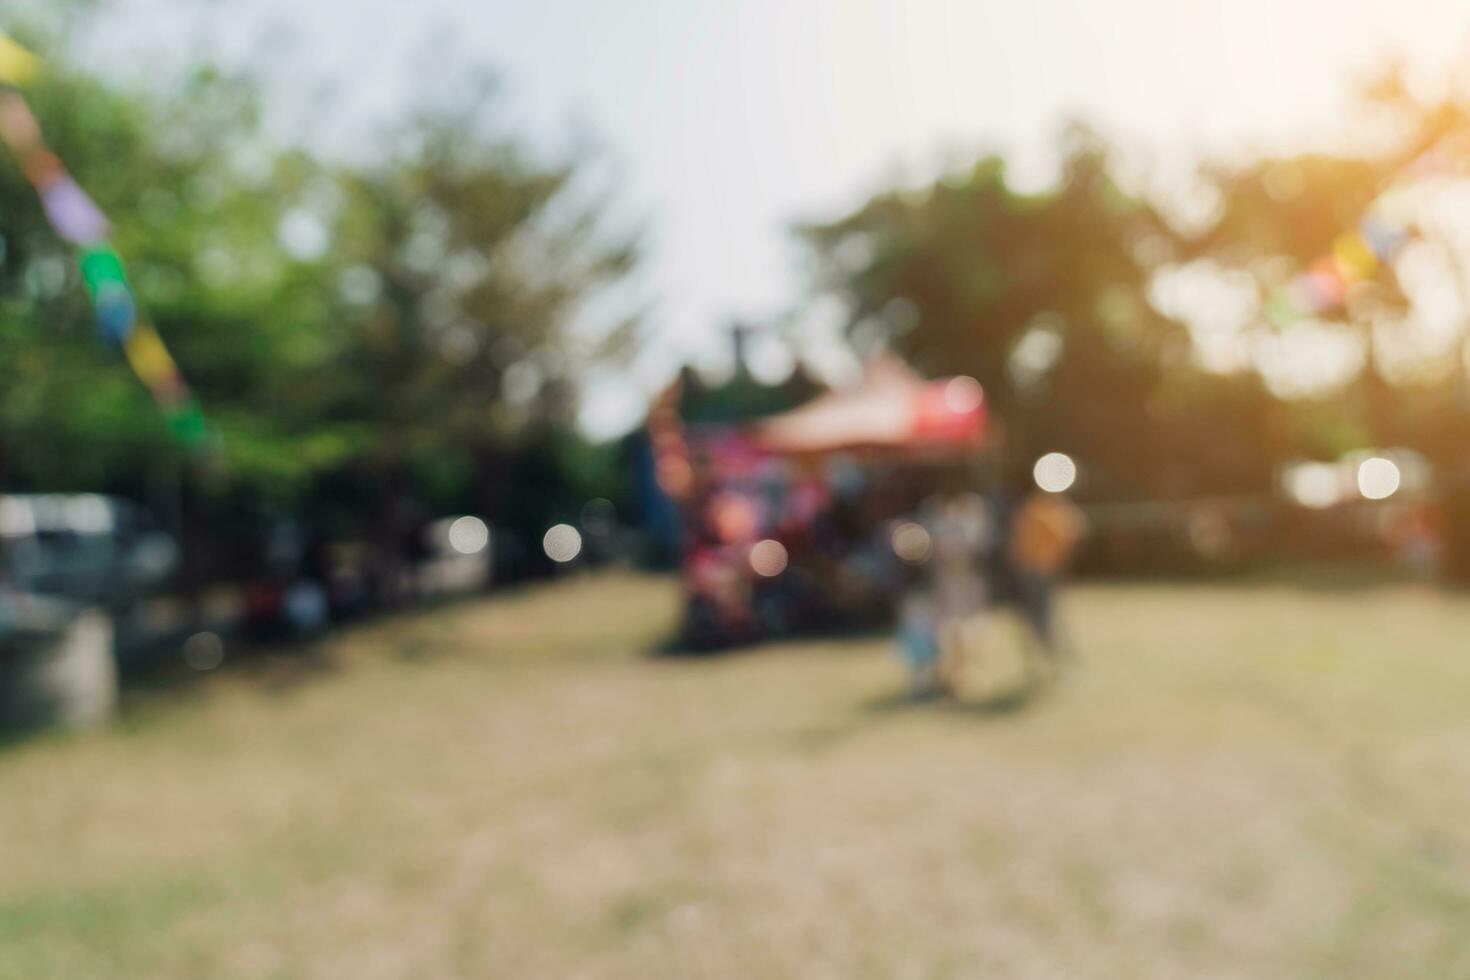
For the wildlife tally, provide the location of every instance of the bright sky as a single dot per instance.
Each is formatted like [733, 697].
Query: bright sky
[727, 120]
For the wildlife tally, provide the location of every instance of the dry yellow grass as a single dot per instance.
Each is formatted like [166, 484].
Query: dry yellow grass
[1252, 781]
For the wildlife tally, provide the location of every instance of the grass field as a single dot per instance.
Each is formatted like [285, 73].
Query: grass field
[1239, 781]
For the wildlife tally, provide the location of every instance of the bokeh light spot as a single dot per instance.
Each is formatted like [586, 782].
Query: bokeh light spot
[562, 543]
[302, 235]
[1378, 478]
[1314, 485]
[963, 395]
[469, 535]
[768, 558]
[1055, 472]
[733, 517]
[204, 651]
[911, 542]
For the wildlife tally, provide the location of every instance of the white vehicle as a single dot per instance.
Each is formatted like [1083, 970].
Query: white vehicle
[75, 571]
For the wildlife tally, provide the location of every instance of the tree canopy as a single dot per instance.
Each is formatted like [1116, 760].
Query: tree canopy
[392, 323]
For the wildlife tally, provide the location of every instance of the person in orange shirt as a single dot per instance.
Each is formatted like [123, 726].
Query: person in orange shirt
[1045, 530]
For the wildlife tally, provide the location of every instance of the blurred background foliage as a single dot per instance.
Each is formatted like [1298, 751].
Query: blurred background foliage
[366, 334]
[360, 335]
[1052, 300]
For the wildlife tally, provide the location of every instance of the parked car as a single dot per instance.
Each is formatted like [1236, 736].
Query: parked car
[79, 576]
[56, 662]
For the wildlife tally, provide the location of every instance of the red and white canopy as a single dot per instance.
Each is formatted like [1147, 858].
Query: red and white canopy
[891, 407]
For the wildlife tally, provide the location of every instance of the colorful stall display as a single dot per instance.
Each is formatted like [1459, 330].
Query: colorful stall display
[787, 520]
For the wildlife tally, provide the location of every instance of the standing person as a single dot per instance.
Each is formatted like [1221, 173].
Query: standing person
[1044, 532]
[963, 530]
[940, 609]
[918, 639]
[960, 527]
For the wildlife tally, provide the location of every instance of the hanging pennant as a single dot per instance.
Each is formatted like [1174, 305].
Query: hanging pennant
[72, 213]
[1355, 256]
[17, 65]
[76, 219]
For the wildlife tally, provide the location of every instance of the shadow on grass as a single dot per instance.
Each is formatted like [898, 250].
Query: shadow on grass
[999, 705]
[277, 663]
[272, 668]
[1317, 577]
[891, 707]
[275, 666]
[684, 648]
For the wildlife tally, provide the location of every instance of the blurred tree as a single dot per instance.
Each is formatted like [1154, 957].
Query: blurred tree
[1279, 215]
[464, 266]
[393, 323]
[1044, 298]
[187, 181]
[72, 413]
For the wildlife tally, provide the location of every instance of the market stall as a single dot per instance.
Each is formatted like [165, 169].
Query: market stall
[787, 520]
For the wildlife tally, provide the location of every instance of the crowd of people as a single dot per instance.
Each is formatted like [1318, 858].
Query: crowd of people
[788, 546]
[775, 545]
[972, 555]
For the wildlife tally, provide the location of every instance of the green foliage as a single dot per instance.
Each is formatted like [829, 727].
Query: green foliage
[392, 320]
[1044, 298]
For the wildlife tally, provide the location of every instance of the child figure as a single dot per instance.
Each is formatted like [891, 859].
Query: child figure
[939, 616]
[918, 641]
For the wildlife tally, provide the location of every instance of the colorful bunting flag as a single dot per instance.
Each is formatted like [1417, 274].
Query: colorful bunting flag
[1377, 241]
[1323, 288]
[1353, 257]
[17, 65]
[153, 364]
[72, 212]
[78, 220]
[18, 127]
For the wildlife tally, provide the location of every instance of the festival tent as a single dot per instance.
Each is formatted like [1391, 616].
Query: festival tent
[890, 407]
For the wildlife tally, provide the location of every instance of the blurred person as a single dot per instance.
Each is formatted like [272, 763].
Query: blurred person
[962, 529]
[304, 605]
[1043, 534]
[940, 615]
[918, 640]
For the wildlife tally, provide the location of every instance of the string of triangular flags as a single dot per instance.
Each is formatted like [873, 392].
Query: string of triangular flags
[1358, 254]
[77, 220]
